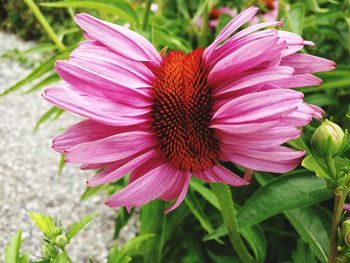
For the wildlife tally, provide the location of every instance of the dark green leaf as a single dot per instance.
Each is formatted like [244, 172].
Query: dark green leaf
[281, 194]
[302, 254]
[312, 224]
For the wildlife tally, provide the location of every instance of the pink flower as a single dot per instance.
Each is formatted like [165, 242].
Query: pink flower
[167, 118]
[270, 14]
[214, 15]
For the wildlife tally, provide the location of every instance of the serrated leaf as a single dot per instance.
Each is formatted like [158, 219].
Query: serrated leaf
[281, 194]
[116, 7]
[77, 227]
[44, 223]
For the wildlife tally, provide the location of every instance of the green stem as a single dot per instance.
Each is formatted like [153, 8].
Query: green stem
[162, 239]
[339, 200]
[202, 40]
[331, 167]
[229, 214]
[146, 14]
[160, 7]
[37, 13]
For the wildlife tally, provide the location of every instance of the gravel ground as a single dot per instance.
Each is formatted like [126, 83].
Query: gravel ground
[28, 173]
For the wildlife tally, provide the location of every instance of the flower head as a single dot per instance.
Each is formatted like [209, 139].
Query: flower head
[167, 118]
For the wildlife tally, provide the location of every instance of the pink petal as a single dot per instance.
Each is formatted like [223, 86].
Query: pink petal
[219, 174]
[85, 131]
[86, 79]
[244, 58]
[297, 81]
[270, 104]
[244, 127]
[95, 108]
[305, 63]
[120, 39]
[259, 77]
[183, 187]
[234, 24]
[145, 189]
[234, 43]
[110, 149]
[294, 42]
[262, 139]
[119, 169]
[275, 159]
[92, 50]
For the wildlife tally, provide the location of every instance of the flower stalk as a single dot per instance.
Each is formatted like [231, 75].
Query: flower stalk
[229, 214]
[146, 14]
[339, 200]
[202, 39]
[42, 20]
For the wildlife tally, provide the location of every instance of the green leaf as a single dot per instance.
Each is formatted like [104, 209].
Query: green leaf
[52, 113]
[281, 194]
[77, 227]
[132, 246]
[198, 211]
[256, 240]
[44, 223]
[302, 254]
[121, 220]
[223, 259]
[311, 164]
[207, 194]
[312, 224]
[52, 78]
[296, 18]
[43, 68]
[90, 191]
[120, 8]
[217, 233]
[12, 251]
[61, 165]
[62, 258]
[313, 5]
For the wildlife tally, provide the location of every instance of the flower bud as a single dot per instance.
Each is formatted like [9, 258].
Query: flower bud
[327, 139]
[61, 240]
[345, 232]
[49, 251]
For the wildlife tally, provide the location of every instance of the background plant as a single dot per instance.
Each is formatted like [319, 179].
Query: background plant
[284, 218]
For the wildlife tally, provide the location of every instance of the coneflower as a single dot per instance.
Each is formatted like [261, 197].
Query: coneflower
[165, 118]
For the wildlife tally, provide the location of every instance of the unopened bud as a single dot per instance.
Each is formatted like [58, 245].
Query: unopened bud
[61, 240]
[327, 139]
